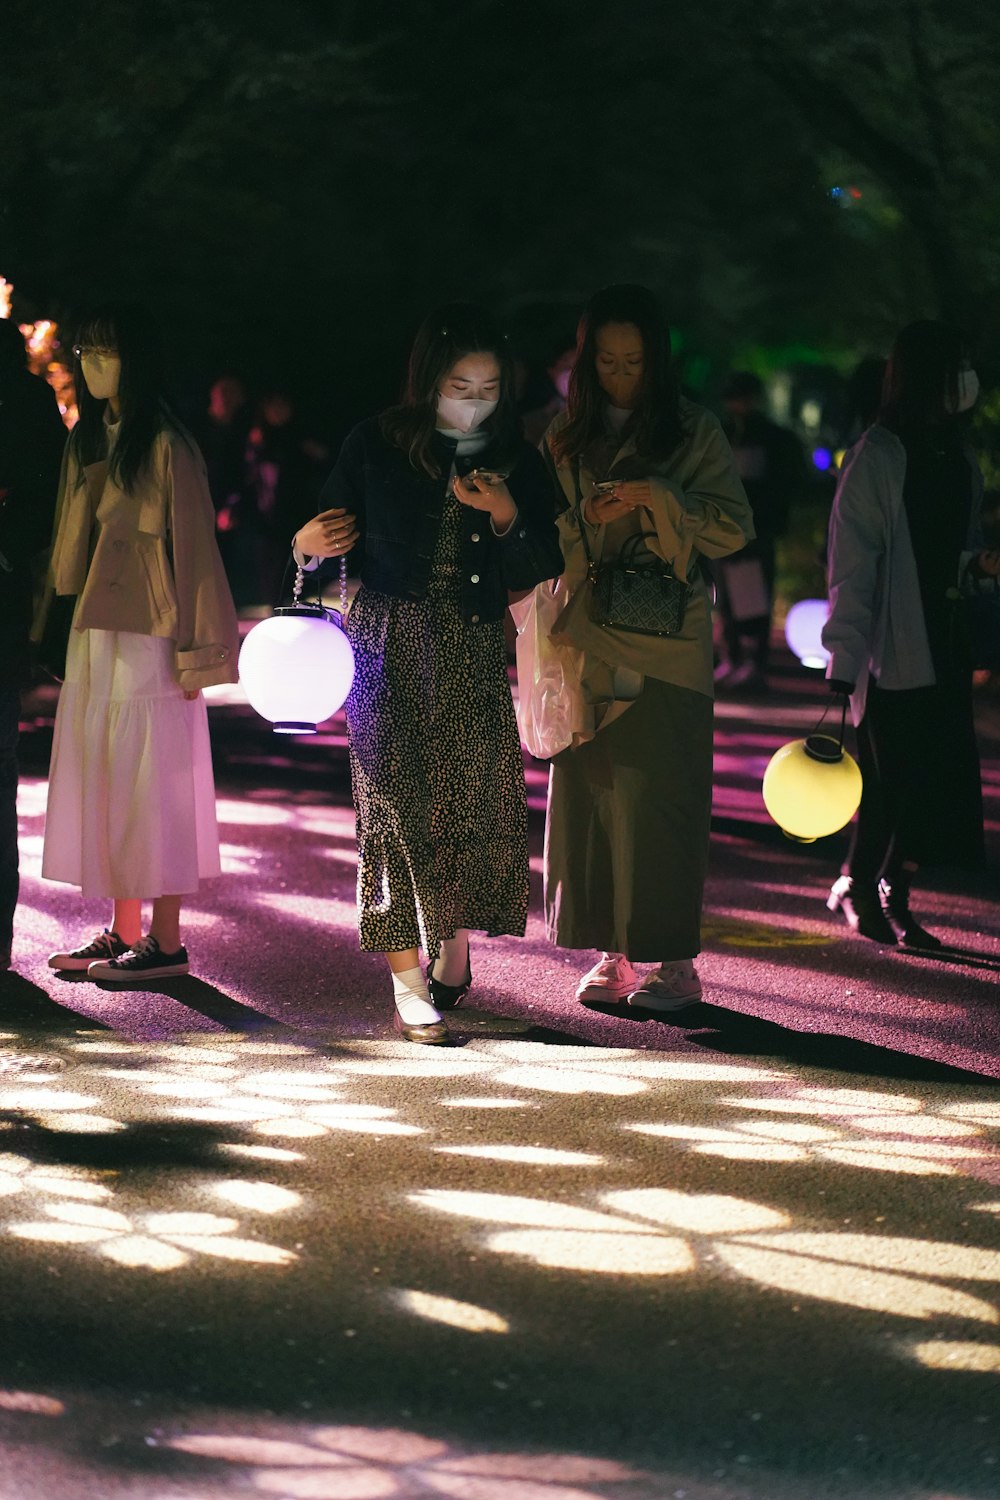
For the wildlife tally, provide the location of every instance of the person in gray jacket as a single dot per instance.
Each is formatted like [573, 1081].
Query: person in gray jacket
[905, 547]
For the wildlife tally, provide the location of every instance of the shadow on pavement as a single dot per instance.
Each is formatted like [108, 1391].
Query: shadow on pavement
[208, 1001]
[467, 1024]
[26, 1005]
[966, 958]
[731, 1031]
[140, 1145]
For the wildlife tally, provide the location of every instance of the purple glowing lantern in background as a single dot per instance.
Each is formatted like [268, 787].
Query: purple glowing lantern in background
[804, 631]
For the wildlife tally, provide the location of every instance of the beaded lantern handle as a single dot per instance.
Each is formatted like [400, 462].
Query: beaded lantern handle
[299, 584]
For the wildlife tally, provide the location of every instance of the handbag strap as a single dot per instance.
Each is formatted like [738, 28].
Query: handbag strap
[661, 565]
[591, 564]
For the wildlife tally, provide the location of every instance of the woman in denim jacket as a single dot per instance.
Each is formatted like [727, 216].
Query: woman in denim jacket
[443, 509]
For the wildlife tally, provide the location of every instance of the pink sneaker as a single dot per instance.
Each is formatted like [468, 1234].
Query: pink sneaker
[608, 981]
[670, 987]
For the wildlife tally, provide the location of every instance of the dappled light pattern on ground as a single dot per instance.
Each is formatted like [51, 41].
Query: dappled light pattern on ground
[855, 1127]
[639, 1237]
[363, 1463]
[32, 1403]
[156, 1242]
[286, 1100]
[453, 1200]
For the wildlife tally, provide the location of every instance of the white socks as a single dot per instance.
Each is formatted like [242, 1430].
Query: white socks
[452, 963]
[412, 1000]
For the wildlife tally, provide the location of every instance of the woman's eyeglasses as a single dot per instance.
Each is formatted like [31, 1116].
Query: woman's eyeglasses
[89, 351]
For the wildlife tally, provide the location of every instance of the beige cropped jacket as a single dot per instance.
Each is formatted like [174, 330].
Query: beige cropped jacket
[147, 561]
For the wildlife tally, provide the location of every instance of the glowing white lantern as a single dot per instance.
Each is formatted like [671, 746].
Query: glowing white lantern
[804, 631]
[297, 667]
[812, 787]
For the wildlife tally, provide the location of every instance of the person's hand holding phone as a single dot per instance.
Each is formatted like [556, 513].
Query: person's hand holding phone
[607, 503]
[481, 489]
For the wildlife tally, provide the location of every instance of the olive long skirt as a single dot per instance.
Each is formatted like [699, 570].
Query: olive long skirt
[626, 844]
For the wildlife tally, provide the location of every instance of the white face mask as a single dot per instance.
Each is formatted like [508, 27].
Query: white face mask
[464, 416]
[101, 374]
[968, 391]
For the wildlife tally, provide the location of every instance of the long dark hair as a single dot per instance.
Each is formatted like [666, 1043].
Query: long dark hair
[921, 377]
[656, 423]
[444, 337]
[130, 329]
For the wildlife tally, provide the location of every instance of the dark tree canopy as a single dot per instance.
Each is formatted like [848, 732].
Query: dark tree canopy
[291, 188]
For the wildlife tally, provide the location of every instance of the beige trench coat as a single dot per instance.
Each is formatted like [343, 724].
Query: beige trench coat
[699, 509]
[155, 567]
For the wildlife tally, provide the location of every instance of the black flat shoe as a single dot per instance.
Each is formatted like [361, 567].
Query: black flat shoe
[861, 909]
[895, 898]
[447, 996]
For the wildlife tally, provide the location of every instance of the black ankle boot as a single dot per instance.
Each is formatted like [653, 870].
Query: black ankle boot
[861, 909]
[894, 894]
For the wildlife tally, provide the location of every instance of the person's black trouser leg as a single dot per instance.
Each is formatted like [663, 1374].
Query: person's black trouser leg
[872, 837]
[731, 643]
[10, 713]
[760, 630]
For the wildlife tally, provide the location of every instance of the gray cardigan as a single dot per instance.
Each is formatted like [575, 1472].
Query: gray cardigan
[876, 626]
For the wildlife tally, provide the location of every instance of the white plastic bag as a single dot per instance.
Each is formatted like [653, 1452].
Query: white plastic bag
[550, 708]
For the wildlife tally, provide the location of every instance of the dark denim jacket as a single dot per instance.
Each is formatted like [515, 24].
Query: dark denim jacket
[399, 513]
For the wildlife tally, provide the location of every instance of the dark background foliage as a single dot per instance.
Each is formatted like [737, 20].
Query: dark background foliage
[291, 187]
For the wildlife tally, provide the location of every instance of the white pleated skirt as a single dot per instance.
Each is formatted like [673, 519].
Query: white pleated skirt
[131, 806]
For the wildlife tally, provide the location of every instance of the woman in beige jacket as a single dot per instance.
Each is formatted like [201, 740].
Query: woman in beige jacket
[131, 809]
[630, 802]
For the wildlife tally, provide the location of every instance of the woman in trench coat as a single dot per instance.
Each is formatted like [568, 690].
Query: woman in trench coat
[629, 805]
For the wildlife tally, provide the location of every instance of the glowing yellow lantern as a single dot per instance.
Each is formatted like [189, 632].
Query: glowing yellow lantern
[812, 787]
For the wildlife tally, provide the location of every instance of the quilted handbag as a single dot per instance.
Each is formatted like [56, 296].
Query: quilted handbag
[637, 592]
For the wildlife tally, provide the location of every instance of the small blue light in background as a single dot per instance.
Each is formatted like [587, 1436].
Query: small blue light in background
[823, 458]
[836, 192]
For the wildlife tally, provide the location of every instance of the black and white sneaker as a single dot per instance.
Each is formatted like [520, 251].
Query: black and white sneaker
[146, 960]
[104, 946]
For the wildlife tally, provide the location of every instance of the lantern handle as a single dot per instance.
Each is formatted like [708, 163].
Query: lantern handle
[823, 746]
[299, 585]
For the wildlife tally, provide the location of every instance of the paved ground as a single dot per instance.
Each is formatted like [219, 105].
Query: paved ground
[251, 1245]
